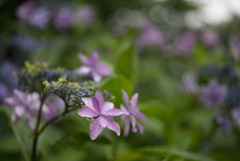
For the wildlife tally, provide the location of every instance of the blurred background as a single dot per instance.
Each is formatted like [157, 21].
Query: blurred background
[181, 56]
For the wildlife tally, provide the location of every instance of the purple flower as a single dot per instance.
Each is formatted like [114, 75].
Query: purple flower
[4, 92]
[150, 36]
[236, 115]
[25, 106]
[102, 112]
[130, 112]
[213, 94]
[24, 10]
[63, 19]
[92, 68]
[210, 37]
[54, 104]
[40, 18]
[85, 15]
[223, 122]
[189, 84]
[185, 43]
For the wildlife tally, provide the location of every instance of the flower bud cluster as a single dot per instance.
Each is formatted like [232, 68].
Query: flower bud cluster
[32, 75]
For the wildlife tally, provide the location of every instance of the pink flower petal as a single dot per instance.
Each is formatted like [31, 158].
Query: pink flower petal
[134, 122]
[114, 112]
[95, 129]
[88, 102]
[107, 106]
[126, 121]
[103, 121]
[125, 111]
[125, 98]
[84, 70]
[84, 59]
[99, 97]
[141, 116]
[87, 112]
[94, 58]
[134, 99]
[96, 104]
[140, 127]
[114, 126]
[10, 102]
[102, 69]
[96, 77]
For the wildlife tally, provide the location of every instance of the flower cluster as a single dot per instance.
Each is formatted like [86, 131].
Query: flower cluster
[38, 84]
[70, 91]
[92, 68]
[102, 112]
[63, 18]
[216, 87]
[32, 76]
[26, 106]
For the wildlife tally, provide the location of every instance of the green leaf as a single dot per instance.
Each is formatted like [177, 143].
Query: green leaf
[176, 152]
[115, 85]
[126, 63]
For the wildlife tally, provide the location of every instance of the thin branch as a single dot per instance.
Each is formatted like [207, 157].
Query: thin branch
[56, 118]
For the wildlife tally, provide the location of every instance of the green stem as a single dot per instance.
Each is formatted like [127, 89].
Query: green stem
[55, 118]
[35, 132]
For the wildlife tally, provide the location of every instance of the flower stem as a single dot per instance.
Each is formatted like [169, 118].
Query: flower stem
[35, 132]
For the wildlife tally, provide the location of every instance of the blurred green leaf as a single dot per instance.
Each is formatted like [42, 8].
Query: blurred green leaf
[126, 62]
[176, 152]
[115, 85]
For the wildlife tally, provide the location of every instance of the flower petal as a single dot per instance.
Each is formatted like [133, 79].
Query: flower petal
[103, 121]
[96, 77]
[140, 127]
[125, 111]
[134, 100]
[84, 59]
[102, 69]
[95, 129]
[88, 102]
[126, 121]
[87, 112]
[114, 112]
[107, 106]
[134, 122]
[84, 70]
[141, 116]
[96, 104]
[125, 98]
[114, 126]
[94, 58]
[99, 97]
[10, 102]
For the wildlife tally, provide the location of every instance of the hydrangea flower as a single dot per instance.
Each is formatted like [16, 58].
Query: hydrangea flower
[210, 37]
[25, 106]
[24, 10]
[92, 68]
[213, 94]
[63, 19]
[185, 43]
[130, 112]
[150, 36]
[40, 18]
[102, 113]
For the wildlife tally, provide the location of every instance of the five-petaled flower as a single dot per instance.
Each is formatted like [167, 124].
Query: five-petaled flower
[92, 68]
[130, 111]
[24, 104]
[102, 112]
